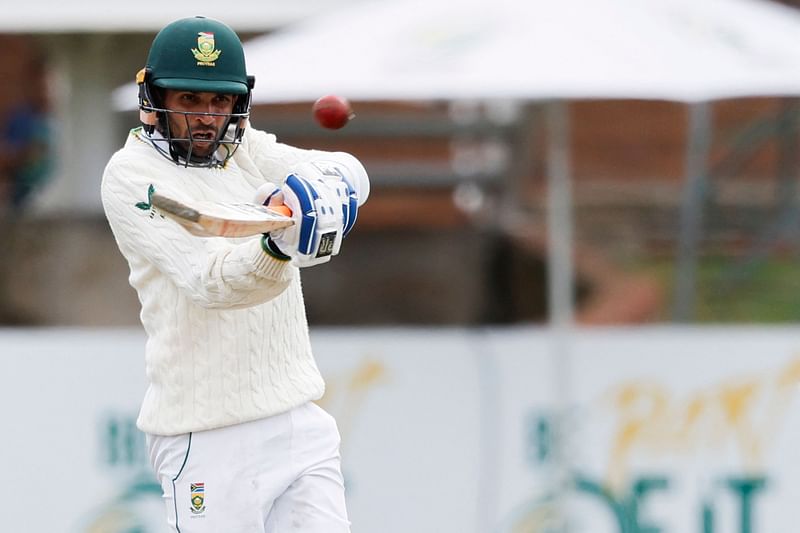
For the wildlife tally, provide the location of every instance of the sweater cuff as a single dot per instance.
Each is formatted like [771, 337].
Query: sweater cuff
[269, 265]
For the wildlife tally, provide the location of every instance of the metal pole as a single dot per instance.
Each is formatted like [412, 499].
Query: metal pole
[561, 290]
[559, 216]
[694, 193]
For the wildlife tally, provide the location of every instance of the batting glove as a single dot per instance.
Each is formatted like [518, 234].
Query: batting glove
[324, 197]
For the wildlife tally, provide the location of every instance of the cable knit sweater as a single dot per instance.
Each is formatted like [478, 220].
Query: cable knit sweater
[227, 332]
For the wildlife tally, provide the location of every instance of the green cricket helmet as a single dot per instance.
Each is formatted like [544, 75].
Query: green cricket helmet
[194, 54]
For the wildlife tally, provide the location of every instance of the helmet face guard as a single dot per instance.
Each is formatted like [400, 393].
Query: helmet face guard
[155, 119]
[197, 55]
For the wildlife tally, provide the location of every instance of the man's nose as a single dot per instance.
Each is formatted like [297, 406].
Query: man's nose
[205, 119]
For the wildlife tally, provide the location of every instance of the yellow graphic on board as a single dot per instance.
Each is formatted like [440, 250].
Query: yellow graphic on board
[741, 415]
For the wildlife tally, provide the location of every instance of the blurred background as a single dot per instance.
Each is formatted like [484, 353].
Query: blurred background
[662, 398]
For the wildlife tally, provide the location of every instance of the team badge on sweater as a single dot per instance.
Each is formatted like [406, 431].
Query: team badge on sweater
[148, 205]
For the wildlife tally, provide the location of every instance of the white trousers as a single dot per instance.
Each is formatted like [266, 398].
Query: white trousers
[275, 475]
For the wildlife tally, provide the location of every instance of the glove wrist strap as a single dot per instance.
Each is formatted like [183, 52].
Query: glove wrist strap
[269, 246]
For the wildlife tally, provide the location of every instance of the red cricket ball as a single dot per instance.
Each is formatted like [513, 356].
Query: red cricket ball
[332, 112]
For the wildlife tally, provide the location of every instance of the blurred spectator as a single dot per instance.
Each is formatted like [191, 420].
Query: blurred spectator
[26, 151]
[26, 148]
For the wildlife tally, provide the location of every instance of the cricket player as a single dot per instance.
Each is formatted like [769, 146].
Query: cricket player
[232, 431]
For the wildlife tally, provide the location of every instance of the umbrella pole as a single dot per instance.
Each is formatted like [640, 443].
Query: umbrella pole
[560, 288]
[559, 216]
[691, 221]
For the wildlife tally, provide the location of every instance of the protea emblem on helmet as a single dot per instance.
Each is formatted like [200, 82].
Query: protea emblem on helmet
[205, 53]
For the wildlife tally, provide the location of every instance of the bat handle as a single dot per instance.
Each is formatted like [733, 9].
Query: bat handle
[281, 210]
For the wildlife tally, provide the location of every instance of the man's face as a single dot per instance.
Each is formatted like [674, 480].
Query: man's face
[203, 129]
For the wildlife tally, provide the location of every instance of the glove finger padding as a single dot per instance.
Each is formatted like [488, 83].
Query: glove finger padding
[268, 194]
[352, 171]
[347, 176]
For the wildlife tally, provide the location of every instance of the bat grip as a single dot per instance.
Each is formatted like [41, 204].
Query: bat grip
[281, 209]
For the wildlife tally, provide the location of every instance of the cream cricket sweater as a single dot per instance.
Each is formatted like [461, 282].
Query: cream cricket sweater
[226, 325]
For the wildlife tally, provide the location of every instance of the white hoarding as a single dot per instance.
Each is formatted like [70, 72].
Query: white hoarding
[666, 430]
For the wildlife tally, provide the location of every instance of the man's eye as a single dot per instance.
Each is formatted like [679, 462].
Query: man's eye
[223, 99]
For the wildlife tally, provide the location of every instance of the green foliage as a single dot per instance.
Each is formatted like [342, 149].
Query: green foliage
[730, 290]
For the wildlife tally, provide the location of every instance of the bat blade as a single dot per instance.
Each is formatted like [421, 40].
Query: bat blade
[221, 219]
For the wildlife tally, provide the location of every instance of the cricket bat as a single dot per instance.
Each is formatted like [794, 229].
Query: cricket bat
[223, 219]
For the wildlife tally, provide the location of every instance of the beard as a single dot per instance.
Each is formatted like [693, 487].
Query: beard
[204, 141]
[196, 140]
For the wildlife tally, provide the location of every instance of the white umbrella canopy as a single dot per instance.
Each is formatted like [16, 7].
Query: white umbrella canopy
[686, 50]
